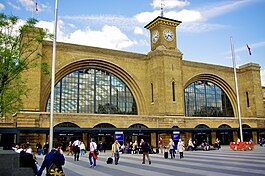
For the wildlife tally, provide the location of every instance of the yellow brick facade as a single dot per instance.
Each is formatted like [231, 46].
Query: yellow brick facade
[160, 67]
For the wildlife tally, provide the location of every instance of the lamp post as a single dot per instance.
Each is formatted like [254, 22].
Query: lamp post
[53, 74]
[237, 93]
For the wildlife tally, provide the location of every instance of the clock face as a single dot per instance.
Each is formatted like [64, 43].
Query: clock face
[155, 36]
[168, 35]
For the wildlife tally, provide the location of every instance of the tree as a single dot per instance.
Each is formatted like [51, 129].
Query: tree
[19, 51]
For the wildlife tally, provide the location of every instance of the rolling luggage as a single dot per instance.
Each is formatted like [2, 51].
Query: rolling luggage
[166, 155]
[109, 160]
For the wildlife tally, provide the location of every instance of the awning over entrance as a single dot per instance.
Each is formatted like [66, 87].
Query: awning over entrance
[98, 130]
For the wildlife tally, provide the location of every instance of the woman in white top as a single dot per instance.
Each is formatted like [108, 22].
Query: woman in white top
[82, 148]
[181, 148]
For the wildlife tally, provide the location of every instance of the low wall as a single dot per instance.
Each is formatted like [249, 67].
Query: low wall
[10, 164]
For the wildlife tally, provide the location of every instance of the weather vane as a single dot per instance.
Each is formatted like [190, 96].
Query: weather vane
[162, 8]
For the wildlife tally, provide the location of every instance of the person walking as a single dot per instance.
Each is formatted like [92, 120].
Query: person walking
[39, 148]
[56, 156]
[171, 146]
[76, 149]
[181, 148]
[92, 153]
[146, 148]
[116, 151]
[161, 145]
[70, 148]
[82, 148]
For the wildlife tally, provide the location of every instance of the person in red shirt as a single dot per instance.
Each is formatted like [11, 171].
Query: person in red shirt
[161, 145]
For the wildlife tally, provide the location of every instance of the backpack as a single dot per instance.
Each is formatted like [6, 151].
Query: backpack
[54, 170]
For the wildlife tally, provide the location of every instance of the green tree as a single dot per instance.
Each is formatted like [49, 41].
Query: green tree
[19, 51]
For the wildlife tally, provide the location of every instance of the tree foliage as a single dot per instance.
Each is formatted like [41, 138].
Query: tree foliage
[19, 51]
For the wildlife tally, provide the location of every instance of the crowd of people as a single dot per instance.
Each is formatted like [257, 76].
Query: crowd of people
[78, 148]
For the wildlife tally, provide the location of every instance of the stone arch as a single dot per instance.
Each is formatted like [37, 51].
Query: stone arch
[224, 126]
[219, 82]
[202, 126]
[66, 125]
[138, 125]
[104, 65]
[104, 125]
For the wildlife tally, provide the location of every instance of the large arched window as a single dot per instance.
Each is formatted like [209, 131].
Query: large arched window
[91, 90]
[203, 98]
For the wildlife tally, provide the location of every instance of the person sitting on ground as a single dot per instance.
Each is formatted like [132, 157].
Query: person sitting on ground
[27, 159]
[190, 145]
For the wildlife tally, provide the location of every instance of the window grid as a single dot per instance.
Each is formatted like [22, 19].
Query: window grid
[203, 98]
[93, 91]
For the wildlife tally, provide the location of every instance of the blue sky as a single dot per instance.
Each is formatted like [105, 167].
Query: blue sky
[203, 36]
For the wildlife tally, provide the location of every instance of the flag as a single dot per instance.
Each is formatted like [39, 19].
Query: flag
[37, 10]
[249, 52]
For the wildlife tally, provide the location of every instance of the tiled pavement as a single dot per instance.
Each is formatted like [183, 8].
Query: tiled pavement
[223, 162]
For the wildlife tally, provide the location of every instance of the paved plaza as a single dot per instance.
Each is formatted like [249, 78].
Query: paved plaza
[223, 162]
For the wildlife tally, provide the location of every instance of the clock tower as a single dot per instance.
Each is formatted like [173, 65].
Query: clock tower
[163, 32]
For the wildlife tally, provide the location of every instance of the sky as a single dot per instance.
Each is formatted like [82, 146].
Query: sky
[203, 36]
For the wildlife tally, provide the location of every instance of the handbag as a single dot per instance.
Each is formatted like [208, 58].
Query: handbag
[54, 170]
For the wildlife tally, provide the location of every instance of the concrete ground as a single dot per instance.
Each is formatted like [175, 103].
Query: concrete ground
[223, 162]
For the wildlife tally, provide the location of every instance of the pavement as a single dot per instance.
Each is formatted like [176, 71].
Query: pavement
[223, 162]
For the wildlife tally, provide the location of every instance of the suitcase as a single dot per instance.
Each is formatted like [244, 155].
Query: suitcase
[165, 154]
[109, 160]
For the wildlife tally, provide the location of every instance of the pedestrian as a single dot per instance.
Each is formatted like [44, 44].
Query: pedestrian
[171, 146]
[116, 151]
[76, 149]
[39, 148]
[161, 145]
[28, 148]
[70, 148]
[92, 153]
[217, 144]
[181, 148]
[45, 148]
[54, 156]
[101, 148]
[27, 159]
[190, 145]
[82, 148]
[146, 148]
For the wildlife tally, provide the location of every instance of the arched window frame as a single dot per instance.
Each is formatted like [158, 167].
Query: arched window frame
[98, 79]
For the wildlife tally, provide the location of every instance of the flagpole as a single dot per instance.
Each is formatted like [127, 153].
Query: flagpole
[237, 93]
[53, 74]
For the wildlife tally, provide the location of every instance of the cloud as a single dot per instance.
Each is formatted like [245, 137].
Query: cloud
[27, 4]
[13, 5]
[199, 27]
[2, 6]
[251, 45]
[108, 37]
[222, 8]
[123, 23]
[183, 15]
[138, 30]
[169, 4]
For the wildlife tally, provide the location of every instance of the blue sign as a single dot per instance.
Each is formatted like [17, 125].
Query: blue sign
[119, 136]
[176, 137]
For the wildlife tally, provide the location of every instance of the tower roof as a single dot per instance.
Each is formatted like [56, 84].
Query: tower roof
[162, 20]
